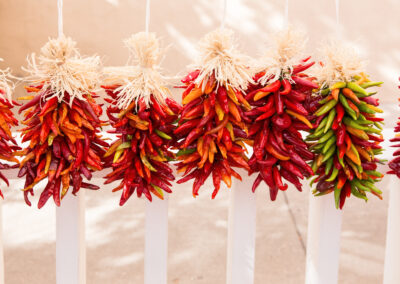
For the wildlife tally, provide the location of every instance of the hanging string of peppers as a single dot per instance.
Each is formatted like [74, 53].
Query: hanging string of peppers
[394, 164]
[62, 122]
[347, 131]
[144, 122]
[8, 145]
[278, 114]
[212, 128]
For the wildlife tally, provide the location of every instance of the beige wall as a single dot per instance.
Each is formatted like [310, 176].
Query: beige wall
[197, 249]
[100, 25]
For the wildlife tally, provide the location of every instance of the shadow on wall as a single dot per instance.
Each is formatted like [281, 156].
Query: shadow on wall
[99, 27]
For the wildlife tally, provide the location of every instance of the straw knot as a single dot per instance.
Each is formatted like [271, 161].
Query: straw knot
[219, 57]
[6, 85]
[286, 50]
[62, 69]
[340, 63]
[142, 79]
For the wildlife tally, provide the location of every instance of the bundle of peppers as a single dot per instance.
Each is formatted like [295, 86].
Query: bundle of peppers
[140, 154]
[64, 144]
[211, 133]
[346, 140]
[277, 117]
[212, 128]
[61, 126]
[394, 164]
[8, 145]
[144, 122]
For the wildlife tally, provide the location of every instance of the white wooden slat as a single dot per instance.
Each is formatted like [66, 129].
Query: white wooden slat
[323, 240]
[241, 233]
[156, 241]
[1, 244]
[70, 240]
[392, 256]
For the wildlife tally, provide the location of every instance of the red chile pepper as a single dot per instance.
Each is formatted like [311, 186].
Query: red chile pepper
[339, 112]
[293, 140]
[48, 105]
[268, 162]
[255, 127]
[291, 178]
[265, 115]
[278, 103]
[195, 112]
[369, 166]
[297, 96]
[273, 87]
[191, 76]
[340, 135]
[279, 138]
[375, 118]
[267, 106]
[189, 125]
[305, 82]
[287, 87]
[291, 168]
[371, 100]
[222, 97]
[282, 121]
[335, 125]
[302, 67]
[304, 153]
[295, 158]
[256, 183]
[173, 105]
[261, 138]
[375, 138]
[190, 105]
[278, 179]
[266, 173]
[31, 103]
[295, 106]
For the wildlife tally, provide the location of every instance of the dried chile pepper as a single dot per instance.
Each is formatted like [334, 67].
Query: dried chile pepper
[8, 145]
[280, 94]
[345, 151]
[62, 123]
[143, 118]
[218, 140]
[394, 164]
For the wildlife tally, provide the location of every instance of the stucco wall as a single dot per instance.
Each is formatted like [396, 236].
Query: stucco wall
[99, 26]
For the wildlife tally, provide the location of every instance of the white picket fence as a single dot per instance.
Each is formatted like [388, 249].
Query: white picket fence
[323, 245]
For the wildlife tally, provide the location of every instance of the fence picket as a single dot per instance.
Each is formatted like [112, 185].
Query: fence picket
[70, 240]
[323, 240]
[1, 244]
[392, 256]
[156, 241]
[241, 233]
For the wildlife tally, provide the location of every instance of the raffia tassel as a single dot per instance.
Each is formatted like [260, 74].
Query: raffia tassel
[219, 57]
[285, 51]
[6, 85]
[143, 79]
[63, 70]
[340, 63]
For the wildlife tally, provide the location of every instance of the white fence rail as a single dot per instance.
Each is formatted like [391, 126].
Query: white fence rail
[323, 241]
[323, 245]
[392, 257]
